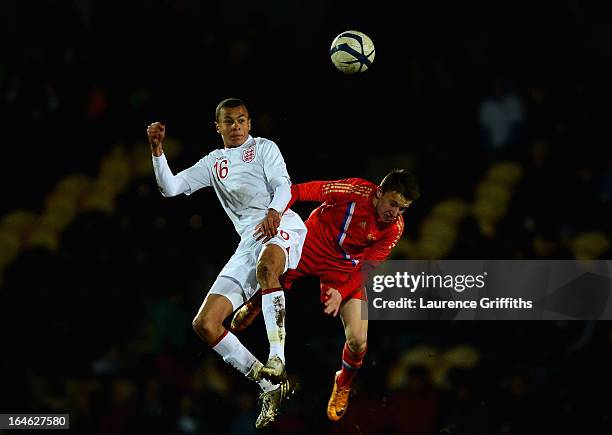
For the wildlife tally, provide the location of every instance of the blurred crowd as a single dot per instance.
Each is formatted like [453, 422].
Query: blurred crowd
[100, 276]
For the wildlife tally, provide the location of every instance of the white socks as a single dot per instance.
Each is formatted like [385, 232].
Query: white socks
[273, 308]
[239, 357]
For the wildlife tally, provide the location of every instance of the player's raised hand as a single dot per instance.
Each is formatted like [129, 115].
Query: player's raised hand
[333, 301]
[268, 227]
[156, 133]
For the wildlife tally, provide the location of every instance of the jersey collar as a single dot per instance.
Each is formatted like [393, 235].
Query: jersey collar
[247, 143]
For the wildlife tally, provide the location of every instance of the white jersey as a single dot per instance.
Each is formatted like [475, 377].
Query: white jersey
[241, 178]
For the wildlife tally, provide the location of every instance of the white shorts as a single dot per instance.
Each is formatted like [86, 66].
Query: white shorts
[238, 281]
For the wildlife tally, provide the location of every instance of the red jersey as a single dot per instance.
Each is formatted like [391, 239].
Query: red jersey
[343, 232]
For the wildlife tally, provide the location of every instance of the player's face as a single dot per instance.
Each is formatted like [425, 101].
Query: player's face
[233, 125]
[390, 205]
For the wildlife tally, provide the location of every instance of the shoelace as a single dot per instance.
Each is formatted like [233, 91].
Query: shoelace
[265, 404]
[266, 400]
[341, 395]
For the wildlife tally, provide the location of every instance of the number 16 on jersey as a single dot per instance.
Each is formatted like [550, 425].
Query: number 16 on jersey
[221, 169]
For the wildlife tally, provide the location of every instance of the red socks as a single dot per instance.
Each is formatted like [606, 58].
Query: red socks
[350, 364]
[267, 291]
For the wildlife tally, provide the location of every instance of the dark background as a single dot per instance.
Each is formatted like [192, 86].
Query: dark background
[101, 276]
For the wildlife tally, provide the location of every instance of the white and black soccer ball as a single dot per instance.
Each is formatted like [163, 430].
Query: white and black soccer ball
[352, 52]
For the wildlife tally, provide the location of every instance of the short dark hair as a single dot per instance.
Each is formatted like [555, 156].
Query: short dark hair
[228, 102]
[402, 182]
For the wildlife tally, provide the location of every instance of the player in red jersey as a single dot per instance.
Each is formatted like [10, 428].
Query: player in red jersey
[354, 230]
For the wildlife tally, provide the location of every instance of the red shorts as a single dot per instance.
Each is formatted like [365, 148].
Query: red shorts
[328, 275]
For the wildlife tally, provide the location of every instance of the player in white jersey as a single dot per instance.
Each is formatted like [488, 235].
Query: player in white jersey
[251, 181]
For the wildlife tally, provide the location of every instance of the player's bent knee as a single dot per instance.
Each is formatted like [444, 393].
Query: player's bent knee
[263, 270]
[266, 272]
[207, 328]
[358, 343]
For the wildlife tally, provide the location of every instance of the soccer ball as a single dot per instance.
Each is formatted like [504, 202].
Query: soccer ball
[352, 52]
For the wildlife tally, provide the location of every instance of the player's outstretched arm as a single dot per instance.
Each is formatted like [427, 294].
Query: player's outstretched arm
[327, 191]
[156, 133]
[310, 191]
[168, 183]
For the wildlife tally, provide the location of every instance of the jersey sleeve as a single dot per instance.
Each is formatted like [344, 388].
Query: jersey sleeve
[282, 194]
[197, 176]
[168, 184]
[273, 162]
[374, 255]
[330, 191]
[276, 174]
